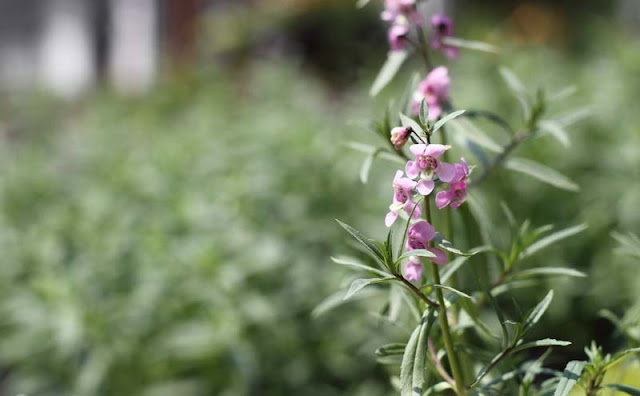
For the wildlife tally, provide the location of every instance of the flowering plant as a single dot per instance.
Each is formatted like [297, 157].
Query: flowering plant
[451, 347]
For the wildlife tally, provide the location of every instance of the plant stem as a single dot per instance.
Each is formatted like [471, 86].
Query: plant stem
[423, 48]
[506, 150]
[444, 320]
[417, 292]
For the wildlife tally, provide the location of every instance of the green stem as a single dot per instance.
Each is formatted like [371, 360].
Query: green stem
[444, 320]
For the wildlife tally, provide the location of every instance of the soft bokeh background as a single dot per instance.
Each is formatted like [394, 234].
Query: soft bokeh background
[170, 172]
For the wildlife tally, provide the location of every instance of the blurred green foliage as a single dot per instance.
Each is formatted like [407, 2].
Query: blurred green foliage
[177, 243]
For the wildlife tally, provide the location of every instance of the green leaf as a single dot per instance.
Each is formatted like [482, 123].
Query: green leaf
[540, 343]
[570, 377]
[518, 89]
[366, 165]
[446, 245]
[552, 238]
[417, 378]
[408, 362]
[542, 173]
[446, 119]
[466, 129]
[368, 149]
[453, 290]
[486, 369]
[366, 242]
[573, 117]
[472, 45]
[359, 284]
[362, 3]
[528, 273]
[555, 130]
[391, 349]
[536, 313]
[508, 286]
[452, 267]
[619, 356]
[333, 301]
[629, 390]
[388, 249]
[395, 59]
[356, 264]
[563, 93]
[424, 112]
[416, 252]
[409, 122]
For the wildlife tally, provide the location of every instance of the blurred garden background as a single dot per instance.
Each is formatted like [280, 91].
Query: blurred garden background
[170, 172]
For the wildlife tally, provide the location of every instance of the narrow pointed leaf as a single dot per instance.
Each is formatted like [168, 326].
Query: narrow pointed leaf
[452, 267]
[555, 130]
[570, 377]
[359, 284]
[417, 253]
[552, 238]
[394, 61]
[417, 378]
[408, 362]
[366, 165]
[619, 356]
[466, 129]
[356, 264]
[536, 313]
[629, 390]
[541, 172]
[409, 122]
[384, 154]
[551, 271]
[453, 290]
[362, 3]
[424, 112]
[446, 119]
[472, 45]
[366, 242]
[540, 343]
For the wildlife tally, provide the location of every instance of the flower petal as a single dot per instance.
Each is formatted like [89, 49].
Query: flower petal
[411, 169]
[446, 172]
[441, 257]
[425, 187]
[443, 198]
[413, 271]
[436, 150]
[390, 218]
[418, 149]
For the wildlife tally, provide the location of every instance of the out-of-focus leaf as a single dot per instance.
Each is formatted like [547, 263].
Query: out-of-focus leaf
[570, 377]
[453, 290]
[630, 390]
[528, 273]
[470, 44]
[408, 363]
[552, 238]
[563, 93]
[366, 165]
[541, 172]
[424, 112]
[518, 89]
[573, 117]
[395, 59]
[367, 148]
[619, 356]
[359, 284]
[362, 3]
[465, 128]
[351, 262]
[629, 244]
[416, 252]
[555, 130]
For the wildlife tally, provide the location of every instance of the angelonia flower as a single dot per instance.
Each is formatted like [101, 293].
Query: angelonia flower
[442, 27]
[402, 192]
[399, 136]
[413, 269]
[397, 36]
[457, 192]
[427, 164]
[395, 9]
[418, 237]
[434, 89]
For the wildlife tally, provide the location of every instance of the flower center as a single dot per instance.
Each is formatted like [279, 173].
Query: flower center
[427, 163]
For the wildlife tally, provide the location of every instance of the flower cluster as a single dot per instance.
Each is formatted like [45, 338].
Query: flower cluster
[434, 89]
[442, 27]
[421, 175]
[401, 14]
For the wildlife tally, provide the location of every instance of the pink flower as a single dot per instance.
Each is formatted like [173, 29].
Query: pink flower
[427, 164]
[457, 192]
[397, 36]
[413, 269]
[397, 9]
[418, 237]
[442, 27]
[399, 136]
[434, 90]
[402, 192]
